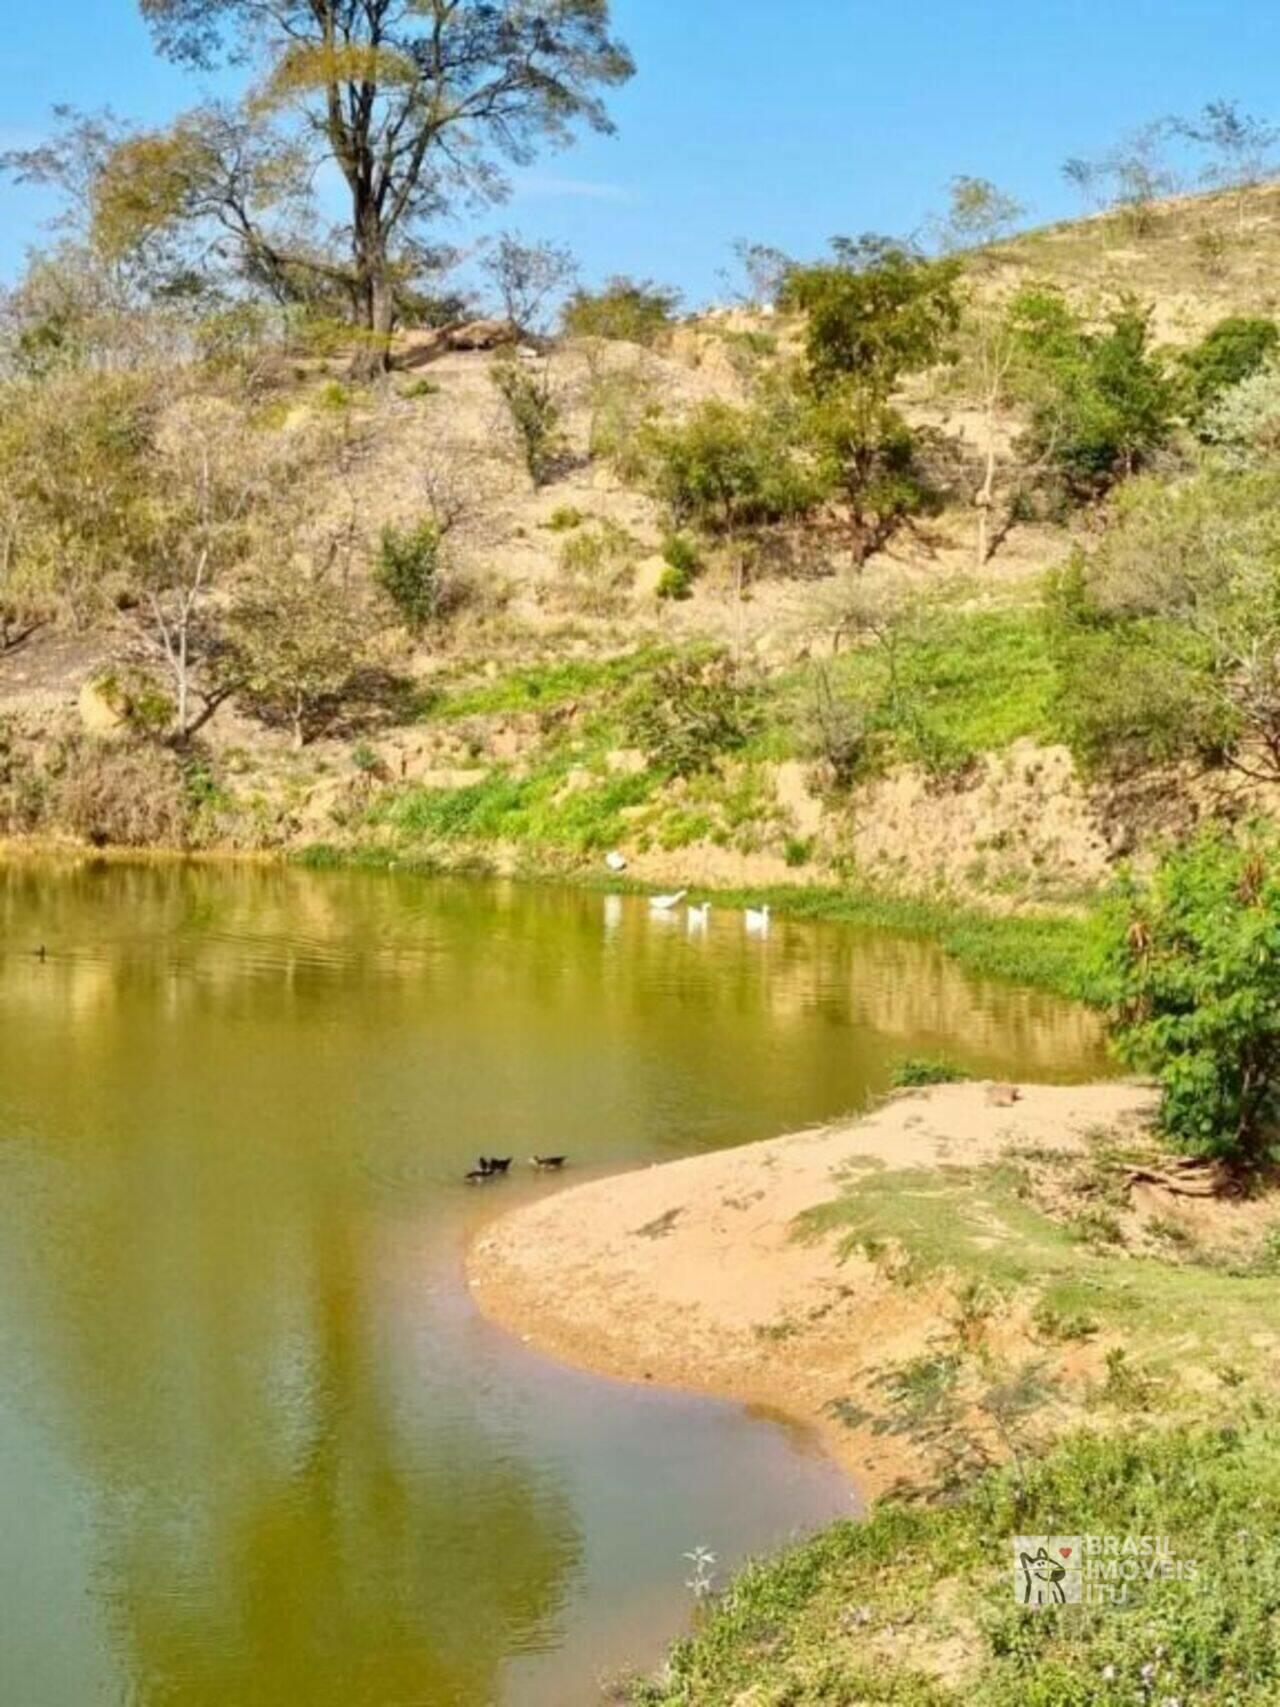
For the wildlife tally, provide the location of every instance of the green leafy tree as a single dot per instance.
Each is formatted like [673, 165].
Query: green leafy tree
[1101, 401]
[873, 313]
[1192, 960]
[1234, 350]
[1168, 636]
[876, 312]
[299, 641]
[410, 105]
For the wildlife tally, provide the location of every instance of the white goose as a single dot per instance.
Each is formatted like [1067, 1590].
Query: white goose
[757, 920]
[666, 903]
[696, 917]
[616, 861]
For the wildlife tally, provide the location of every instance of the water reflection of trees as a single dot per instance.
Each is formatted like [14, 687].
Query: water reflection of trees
[203, 937]
[269, 1526]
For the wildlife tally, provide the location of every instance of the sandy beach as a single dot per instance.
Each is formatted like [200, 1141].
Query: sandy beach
[691, 1273]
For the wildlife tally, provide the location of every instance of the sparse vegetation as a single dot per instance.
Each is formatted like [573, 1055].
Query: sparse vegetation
[636, 311]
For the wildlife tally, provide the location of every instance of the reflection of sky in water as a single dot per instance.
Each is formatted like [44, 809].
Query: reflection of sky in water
[255, 1444]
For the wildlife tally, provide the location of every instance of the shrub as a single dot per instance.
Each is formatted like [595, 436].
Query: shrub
[636, 310]
[564, 519]
[837, 728]
[126, 794]
[725, 469]
[683, 565]
[299, 643]
[915, 1070]
[1233, 351]
[408, 570]
[526, 390]
[691, 711]
[1167, 637]
[1192, 963]
[597, 566]
[1244, 423]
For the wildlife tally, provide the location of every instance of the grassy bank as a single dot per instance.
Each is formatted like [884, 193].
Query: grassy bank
[1050, 953]
[916, 1607]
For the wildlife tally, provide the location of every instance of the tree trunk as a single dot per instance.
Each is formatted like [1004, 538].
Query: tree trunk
[377, 310]
[987, 491]
[183, 675]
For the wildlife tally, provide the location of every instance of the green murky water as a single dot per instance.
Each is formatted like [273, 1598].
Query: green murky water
[257, 1449]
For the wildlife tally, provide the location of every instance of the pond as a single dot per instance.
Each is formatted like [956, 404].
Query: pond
[257, 1448]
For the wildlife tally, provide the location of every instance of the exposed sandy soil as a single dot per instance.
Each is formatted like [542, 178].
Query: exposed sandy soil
[689, 1273]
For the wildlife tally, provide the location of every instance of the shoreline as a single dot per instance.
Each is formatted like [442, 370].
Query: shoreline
[689, 1273]
[1041, 950]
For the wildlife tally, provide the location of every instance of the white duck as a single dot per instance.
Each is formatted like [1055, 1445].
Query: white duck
[757, 919]
[666, 903]
[696, 917]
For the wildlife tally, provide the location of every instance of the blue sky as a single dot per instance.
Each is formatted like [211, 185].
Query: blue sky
[786, 121]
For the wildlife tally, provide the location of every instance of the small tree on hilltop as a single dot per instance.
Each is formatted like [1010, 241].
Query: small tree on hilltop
[1193, 963]
[526, 277]
[636, 310]
[1241, 148]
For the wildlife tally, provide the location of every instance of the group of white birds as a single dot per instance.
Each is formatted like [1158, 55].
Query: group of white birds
[756, 919]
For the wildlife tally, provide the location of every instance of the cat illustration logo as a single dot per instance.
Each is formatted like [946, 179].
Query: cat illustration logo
[1046, 1570]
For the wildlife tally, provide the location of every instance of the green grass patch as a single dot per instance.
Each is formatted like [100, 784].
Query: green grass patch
[916, 1606]
[540, 809]
[975, 1226]
[543, 687]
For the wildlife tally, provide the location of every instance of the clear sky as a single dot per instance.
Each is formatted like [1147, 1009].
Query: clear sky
[781, 120]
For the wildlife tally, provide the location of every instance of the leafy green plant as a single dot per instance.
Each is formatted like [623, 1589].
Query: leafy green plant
[690, 712]
[408, 570]
[915, 1070]
[725, 469]
[683, 565]
[1233, 351]
[1101, 401]
[1192, 960]
[564, 518]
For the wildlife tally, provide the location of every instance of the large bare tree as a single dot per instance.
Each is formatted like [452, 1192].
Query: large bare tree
[415, 102]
